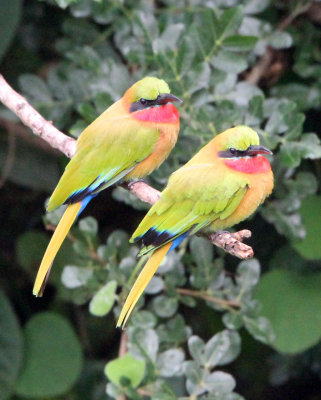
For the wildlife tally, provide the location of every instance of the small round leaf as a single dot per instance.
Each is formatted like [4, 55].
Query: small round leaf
[126, 367]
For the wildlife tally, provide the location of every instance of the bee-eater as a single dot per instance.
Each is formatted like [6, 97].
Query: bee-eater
[128, 140]
[220, 186]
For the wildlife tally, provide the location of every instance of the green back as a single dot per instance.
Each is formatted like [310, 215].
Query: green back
[105, 150]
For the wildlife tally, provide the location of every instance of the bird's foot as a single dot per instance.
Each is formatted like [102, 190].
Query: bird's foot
[134, 181]
[220, 233]
[142, 190]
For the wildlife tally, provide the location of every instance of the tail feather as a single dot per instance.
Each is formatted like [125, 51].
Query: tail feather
[141, 282]
[54, 245]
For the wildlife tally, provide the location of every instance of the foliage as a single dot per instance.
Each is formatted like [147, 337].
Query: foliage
[203, 308]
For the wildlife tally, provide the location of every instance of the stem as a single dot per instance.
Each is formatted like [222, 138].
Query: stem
[221, 302]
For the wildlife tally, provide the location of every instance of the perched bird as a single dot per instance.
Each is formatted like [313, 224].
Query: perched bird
[129, 140]
[220, 186]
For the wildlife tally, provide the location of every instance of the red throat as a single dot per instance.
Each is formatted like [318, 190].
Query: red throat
[249, 165]
[160, 114]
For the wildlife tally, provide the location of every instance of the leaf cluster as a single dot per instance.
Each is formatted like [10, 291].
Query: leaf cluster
[200, 310]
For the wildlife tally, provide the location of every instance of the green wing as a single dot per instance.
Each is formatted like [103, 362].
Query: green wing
[194, 197]
[106, 151]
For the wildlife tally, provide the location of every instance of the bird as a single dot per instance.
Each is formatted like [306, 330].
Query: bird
[127, 141]
[220, 186]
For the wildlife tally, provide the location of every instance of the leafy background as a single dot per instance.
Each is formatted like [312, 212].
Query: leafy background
[209, 326]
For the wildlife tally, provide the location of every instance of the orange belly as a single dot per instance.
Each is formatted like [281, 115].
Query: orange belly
[260, 187]
[166, 142]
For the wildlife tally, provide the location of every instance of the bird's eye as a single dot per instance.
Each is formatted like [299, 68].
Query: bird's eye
[232, 150]
[143, 101]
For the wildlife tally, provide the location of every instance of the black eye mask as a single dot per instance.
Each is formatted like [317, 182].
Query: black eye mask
[161, 100]
[251, 151]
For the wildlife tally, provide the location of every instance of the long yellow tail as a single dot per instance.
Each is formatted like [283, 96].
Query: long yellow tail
[141, 282]
[53, 247]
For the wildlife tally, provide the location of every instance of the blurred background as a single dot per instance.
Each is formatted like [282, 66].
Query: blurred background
[209, 326]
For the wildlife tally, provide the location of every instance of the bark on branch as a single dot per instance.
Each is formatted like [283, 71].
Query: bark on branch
[230, 242]
[33, 120]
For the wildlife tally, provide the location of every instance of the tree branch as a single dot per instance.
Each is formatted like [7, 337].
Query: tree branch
[230, 242]
[31, 118]
[264, 62]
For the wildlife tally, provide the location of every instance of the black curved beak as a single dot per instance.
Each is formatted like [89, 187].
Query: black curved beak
[165, 98]
[255, 150]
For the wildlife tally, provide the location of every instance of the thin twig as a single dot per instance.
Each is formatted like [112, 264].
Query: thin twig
[231, 243]
[123, 344]
[206, 297]
[121, 352]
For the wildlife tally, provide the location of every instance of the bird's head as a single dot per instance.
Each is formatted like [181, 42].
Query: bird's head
[240, 142]
[239, 148]
[147, 94]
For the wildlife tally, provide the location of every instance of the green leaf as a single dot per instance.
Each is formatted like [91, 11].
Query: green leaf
[198, 77]
[10, 13]
[280, 40]
[155, 286]
[185, 56]
[168, 39]
[204, 32]
[303, 95]
[260, 328]
[256, 107]
[196, 348]
[102, 101]
[229, 22]
[118, 241]
[219, 382]
[165, 306]
[73, 277]
[248, 274]
[76, 129]
[144, 319]
[239, 43]
[292, 152]
[35, 88]
[232, 320]
[88, 112]
[255, 7]
[10, 348]
[173, 331]
[193, 374]
[292, 303]
[310, 247]
[89, 225]
[53, 358]
[234, 348]
[221, 349]
[125, 367]
[103, 300]
[229, 62]
[169, 363]
[143, 343]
